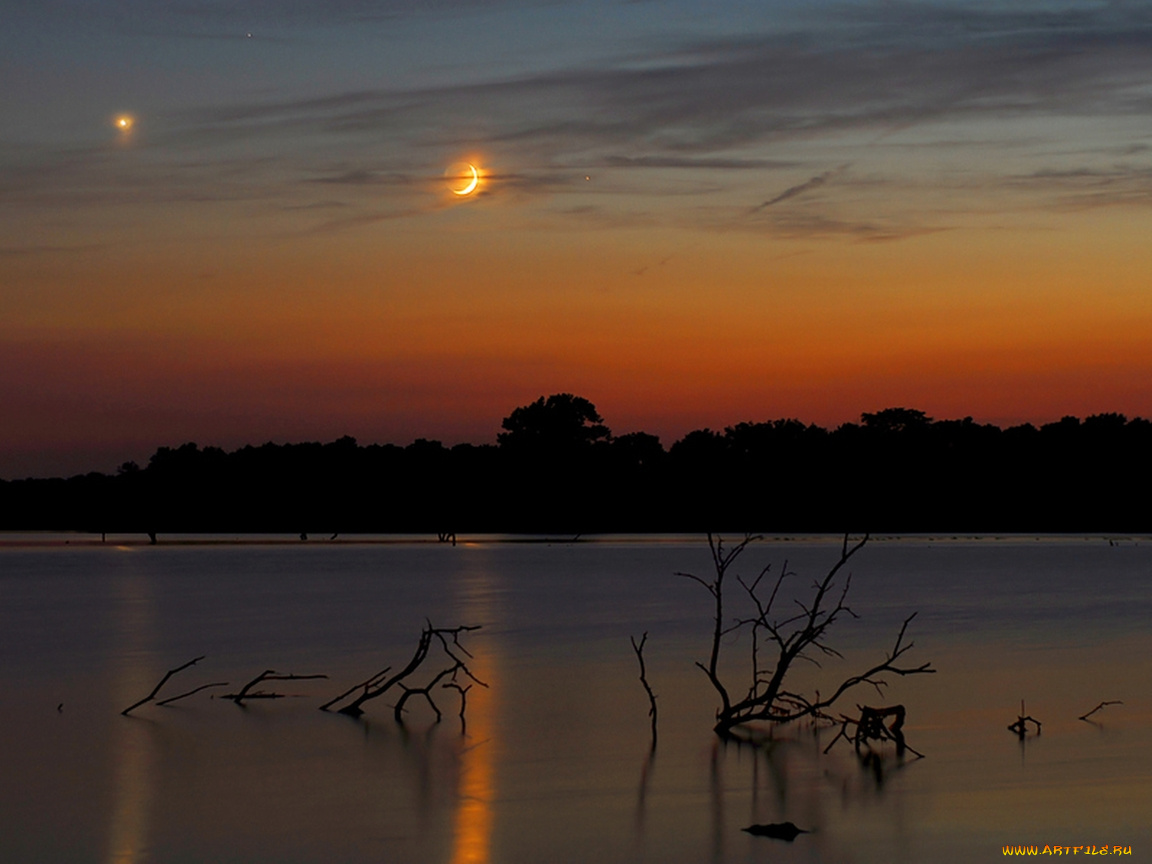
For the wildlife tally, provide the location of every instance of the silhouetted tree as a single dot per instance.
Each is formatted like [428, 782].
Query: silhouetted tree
[790, 636]
[896, 420]
[557, 468]
[560, 423]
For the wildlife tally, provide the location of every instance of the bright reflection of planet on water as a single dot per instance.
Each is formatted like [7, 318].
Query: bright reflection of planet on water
[463, 178]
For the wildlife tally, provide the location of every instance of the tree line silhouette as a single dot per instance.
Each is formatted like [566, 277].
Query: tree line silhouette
[557, 468]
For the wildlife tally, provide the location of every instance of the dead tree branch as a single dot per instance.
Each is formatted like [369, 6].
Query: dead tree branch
[794, 636]
[463, 691]
[456, 655]
[1097, 708]
[425, 691]
[371, 682]
[1020, 727]
[870, 727]
[172, 699]
[163, 681]
[638, 647]
[721, 561]
[246, 692]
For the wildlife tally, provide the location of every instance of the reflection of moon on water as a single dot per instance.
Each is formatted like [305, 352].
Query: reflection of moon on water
[472, 835]
[463, 178]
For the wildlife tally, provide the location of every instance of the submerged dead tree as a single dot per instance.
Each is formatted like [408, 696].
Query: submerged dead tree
[246, 692]
[1020, 727]
[790, 635]
[454, 668]
[638, 648]
[870, 726]
[151, 697]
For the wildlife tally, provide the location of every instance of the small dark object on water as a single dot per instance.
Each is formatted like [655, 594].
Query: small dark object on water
[1085, 717]
[1020, 727]
[60, 708]
[777, 831]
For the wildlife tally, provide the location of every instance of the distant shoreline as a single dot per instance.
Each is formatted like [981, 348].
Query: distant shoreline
[51, 539]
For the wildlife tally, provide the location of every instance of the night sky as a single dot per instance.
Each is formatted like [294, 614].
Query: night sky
[692, 214]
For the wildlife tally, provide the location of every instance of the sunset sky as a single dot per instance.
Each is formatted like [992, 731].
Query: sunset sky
[691, 214]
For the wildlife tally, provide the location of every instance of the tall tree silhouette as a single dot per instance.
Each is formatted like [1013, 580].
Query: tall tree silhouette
[557, 424]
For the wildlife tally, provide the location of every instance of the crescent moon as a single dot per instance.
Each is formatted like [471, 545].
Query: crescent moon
[472, 184]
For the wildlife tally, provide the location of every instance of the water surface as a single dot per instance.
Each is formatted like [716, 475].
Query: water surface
[554, 763]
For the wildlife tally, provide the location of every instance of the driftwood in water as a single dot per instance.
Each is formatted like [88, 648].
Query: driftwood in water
[638, 647]
[1101, 705]
[794, 635]
[365, 685]
[448, 638]
[246, 692]
[151, 696]
[777, 831]
[870, 726]
[188, 693]
[1020, 727]
[463, 691]
[426, 692]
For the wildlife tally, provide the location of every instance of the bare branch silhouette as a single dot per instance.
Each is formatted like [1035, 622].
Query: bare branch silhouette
[638, 647]
[1097, 708]
[795, 637]
[246, 692]
[370, 682]
[1020, 727]
[163, 681]
[191, 692]
[456, 656]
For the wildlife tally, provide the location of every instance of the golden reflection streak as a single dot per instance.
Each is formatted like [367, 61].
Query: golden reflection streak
[472, 839]
[135, 756]
[134, 752]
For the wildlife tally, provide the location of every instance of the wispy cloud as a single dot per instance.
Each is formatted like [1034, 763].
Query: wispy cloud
[694, 106]
[799, 189]
[719, 108]
[1084, 188]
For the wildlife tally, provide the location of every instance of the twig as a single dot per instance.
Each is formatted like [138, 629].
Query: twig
[246, 691]
[1020, 727]
[190, 692]
[639, 649]
[1098, 707]
[163, 680]
[375, 679]
[463, 691]
[379, 684]
[426, 692]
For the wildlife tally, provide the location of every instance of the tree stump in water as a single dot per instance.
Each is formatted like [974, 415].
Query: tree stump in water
[871, 726]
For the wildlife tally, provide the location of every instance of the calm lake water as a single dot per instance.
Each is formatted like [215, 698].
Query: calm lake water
[554, 763]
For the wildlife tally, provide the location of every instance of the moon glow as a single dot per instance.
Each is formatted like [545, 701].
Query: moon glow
[463, 179]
